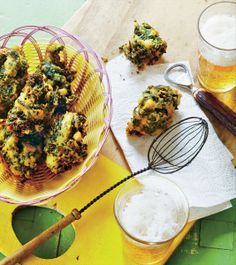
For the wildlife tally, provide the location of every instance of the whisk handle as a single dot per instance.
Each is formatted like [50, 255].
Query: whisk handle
[29, 247]
[222, 112]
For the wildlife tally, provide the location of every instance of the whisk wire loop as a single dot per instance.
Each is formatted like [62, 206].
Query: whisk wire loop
[178, 146]
[183, 147]
[172, 140]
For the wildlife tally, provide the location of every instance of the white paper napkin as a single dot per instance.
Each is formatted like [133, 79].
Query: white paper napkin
[209, 182]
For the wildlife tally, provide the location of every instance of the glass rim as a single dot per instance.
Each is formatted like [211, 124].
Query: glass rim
[148, 243]
[198, 25]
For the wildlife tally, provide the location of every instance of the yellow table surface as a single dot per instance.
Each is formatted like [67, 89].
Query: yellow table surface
[98, 240]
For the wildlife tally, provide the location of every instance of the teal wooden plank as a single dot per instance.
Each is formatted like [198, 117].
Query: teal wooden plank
[27, 214]
[217, 234]
[227, 216]
[1, 256]
[42, 219]
[203, 257]
[212, 241]
[233, 253]
[32, 222]
[211, 256]
[233, 202]
[67, 236]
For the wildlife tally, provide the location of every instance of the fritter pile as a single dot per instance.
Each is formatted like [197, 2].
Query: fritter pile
[35, 114]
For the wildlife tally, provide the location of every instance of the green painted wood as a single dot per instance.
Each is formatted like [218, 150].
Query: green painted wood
[65, 240]
[14, 13]
[31, 221]
[1, 256]
[217, 234]
[212, 241]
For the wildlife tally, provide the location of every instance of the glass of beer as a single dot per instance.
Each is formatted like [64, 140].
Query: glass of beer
[217, 47]
[151, 211]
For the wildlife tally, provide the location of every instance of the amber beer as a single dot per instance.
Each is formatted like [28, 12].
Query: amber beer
[136, 253]
[215, 77]
[217, 47]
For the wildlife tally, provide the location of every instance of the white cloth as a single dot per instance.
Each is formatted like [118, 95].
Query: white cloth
[209, 182]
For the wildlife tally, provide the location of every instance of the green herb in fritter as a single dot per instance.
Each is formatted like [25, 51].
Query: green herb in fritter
[64, 143]
[145, 47]
[154, 111]
[13, 73]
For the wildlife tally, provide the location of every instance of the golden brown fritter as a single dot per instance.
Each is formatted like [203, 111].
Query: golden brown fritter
[22, 154]
[154, 111]
[64, 145]
[13, 74]
[145, 47]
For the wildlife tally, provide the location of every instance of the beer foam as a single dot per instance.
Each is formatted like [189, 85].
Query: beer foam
[151, 214]
[220, 31]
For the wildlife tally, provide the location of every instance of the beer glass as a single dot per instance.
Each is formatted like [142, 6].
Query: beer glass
[217, 47]
[158, 211]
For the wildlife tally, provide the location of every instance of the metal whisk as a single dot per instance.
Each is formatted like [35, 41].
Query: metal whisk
[171, 151]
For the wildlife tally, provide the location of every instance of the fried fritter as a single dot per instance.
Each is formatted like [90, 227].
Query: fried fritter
[46, 93]
[154, 111]
[13, 74]
[145, 47]
[22, 154]
[64, 145]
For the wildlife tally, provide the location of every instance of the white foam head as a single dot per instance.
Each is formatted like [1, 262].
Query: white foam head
[219, 31]
[152, 214]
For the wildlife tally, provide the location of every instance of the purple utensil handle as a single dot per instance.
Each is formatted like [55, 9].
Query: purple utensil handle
[222, 112]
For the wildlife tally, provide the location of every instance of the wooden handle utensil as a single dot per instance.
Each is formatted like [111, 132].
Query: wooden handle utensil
[29, 247]
[222, 112]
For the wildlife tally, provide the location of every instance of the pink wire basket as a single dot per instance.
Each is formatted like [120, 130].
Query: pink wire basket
[93, 86]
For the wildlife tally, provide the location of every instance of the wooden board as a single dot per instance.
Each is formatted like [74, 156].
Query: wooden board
[105, 25]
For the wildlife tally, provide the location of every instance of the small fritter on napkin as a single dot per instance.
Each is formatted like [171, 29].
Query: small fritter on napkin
[154, 111]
